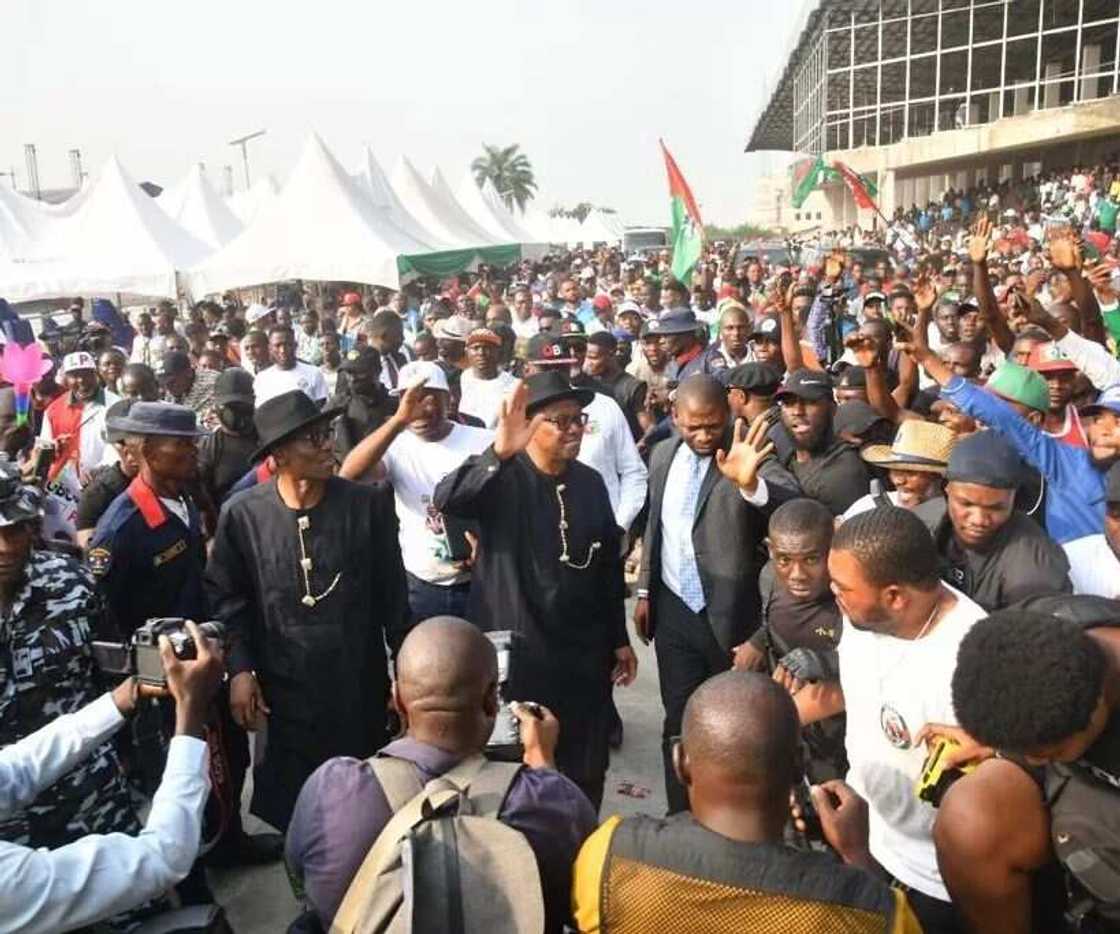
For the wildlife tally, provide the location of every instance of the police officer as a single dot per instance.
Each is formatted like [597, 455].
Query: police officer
[363, 398]
[148, 556]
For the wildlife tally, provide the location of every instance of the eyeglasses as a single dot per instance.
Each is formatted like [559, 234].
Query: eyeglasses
[564, 422]
[317, 436]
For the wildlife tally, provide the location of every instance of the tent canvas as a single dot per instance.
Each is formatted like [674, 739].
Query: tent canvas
[196, 207]
[321, 227]
[372, 180]
[451, 224]
[245, 205]
[117, 240]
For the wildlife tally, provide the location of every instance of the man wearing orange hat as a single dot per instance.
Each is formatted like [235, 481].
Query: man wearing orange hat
[484, 385]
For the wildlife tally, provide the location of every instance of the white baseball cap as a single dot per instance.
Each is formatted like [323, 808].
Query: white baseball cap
[79, 360]
[421, 371]
[255, 312]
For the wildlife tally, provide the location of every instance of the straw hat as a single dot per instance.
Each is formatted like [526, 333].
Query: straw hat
[917, 445]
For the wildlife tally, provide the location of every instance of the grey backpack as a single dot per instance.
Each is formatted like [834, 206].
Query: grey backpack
[444, 862]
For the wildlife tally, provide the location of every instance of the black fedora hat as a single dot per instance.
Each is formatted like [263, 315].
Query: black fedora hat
[284, 415]
[550, 386]
[156, 418]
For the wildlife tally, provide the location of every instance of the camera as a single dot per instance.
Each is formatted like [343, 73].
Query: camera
[140, 655]
[504, 744]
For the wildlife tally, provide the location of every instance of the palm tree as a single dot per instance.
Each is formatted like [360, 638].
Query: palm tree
[510, 172]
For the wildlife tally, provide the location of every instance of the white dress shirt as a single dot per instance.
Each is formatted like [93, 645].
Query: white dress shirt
[608, 446]
[676, 537]
[99, 875]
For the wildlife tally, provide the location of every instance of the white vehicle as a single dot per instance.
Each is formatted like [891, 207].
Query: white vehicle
[644, 240]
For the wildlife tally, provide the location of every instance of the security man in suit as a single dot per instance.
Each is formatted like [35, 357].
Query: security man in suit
[711, 491]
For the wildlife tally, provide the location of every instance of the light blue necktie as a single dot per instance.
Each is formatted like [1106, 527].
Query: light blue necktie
[692, 591]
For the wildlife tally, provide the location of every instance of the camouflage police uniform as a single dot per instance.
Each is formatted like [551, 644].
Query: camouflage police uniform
[48, 671]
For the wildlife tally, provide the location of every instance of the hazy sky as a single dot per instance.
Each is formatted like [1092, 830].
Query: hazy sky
[585, 86]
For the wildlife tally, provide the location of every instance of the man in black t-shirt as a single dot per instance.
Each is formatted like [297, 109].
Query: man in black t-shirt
[225, 455]
[602, 363]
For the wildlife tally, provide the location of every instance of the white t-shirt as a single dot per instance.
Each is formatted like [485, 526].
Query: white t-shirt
[273, 381]
[608, 446]
[482, 398]
[1093, 568]
[902, 685]
[415, 467]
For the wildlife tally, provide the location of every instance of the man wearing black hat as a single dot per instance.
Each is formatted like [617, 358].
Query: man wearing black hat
[750, 389]
[989, 551]
[186, 386]
[677, 328]
[224, 455]
[549, 566]
[828, 468]
[362, 399]
[306, 574]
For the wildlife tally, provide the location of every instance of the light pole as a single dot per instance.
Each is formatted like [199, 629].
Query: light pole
[241, 141]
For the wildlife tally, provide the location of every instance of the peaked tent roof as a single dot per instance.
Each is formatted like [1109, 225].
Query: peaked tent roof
[371, 178]
[245, 205]
[320, 226]
[21, 223]
[450, 223]
[485, 207]
[595, 229]
[444, 192]
[116, 240]
[195, 205]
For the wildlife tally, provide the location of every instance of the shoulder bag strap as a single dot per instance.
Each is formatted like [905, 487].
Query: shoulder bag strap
[399, 779]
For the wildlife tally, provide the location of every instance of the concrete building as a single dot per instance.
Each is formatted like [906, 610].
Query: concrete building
[928, 95]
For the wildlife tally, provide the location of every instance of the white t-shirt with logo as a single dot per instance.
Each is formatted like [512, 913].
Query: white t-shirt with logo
[415, 467]
[482, 398]
[274, 381]
[892, 688]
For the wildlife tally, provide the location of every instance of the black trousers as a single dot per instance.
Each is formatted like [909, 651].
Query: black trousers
[687, 656]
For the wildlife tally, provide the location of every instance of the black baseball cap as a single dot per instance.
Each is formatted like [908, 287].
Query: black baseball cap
[810, 385]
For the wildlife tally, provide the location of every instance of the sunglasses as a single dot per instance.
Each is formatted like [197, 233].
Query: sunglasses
[564, 423]
[316, 436]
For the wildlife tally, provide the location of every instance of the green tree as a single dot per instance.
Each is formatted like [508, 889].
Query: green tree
[510, 172]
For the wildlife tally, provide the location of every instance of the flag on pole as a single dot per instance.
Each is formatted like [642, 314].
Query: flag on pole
[807, 175]
[688, 229]
[856, 186]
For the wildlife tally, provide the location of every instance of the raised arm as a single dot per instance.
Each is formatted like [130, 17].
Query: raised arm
[978, 247]
[364, 460]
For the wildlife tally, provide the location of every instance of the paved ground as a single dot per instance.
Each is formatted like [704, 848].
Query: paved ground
[259, 901]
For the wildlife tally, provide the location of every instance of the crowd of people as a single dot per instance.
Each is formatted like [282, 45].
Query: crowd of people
[869, 519]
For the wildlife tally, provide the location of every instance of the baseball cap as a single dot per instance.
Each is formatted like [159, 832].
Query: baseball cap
[874, 297]
[483, 336]
[548, 349]
[855, 418]
[361, 360]
[79, 360]
[1109, 400]
[432, 375]
[1020, 384]
[351, 298]
[810, 385]
[1049, 358]
[255, 312]
[601, 302]
[233, 385]
[767, 327]
[674, 321]
[986, 458]
[628, 308]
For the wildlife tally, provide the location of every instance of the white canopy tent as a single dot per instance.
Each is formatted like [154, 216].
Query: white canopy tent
[372, 180]
[321, 226]
[195, 206]
[450, 223]
[245, 205]
[485, 207]
[594, 229]
[117, 240]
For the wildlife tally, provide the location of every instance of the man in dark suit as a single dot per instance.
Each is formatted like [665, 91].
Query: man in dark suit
[710, 493]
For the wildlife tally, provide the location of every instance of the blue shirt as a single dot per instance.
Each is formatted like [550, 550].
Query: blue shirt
[1075, 487]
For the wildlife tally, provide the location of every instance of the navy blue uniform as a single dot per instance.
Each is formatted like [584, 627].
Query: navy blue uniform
[147, 562]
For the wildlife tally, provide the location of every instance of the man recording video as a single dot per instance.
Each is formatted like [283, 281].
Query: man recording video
[45, 890]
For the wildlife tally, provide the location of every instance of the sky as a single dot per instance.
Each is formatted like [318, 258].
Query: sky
[586, 87]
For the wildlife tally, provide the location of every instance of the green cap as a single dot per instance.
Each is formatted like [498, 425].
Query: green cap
[1020, 384]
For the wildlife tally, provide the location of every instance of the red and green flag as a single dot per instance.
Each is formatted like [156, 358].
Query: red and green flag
[688, 229]
[857, 186]
[807, 175]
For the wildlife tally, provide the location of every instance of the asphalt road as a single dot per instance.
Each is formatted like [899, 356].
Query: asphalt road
[259, 900]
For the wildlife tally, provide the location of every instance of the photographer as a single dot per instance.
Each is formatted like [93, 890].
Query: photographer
[49, 890]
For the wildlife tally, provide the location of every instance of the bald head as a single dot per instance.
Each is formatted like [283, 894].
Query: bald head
[701, 391]
[447, 674]
[741, 729]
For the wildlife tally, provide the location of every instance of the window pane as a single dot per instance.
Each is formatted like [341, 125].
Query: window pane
[923, 34]
[839, 92]
[954, 29]
[987, 22]
[839, 48]
[954, 71]
[922, 76]
[894, 82]
[1059, 13]
[1024, 18]
[985, 68]
[1021, 60]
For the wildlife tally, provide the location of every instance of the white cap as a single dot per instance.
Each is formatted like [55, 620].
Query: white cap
[587, 273]
[79, 360]
[421, 371]
[255, 312]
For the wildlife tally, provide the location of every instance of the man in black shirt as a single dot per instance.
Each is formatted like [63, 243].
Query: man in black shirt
[225, 454]
[828, 468]
[602, 363]
[362, 398]
[107, 482]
